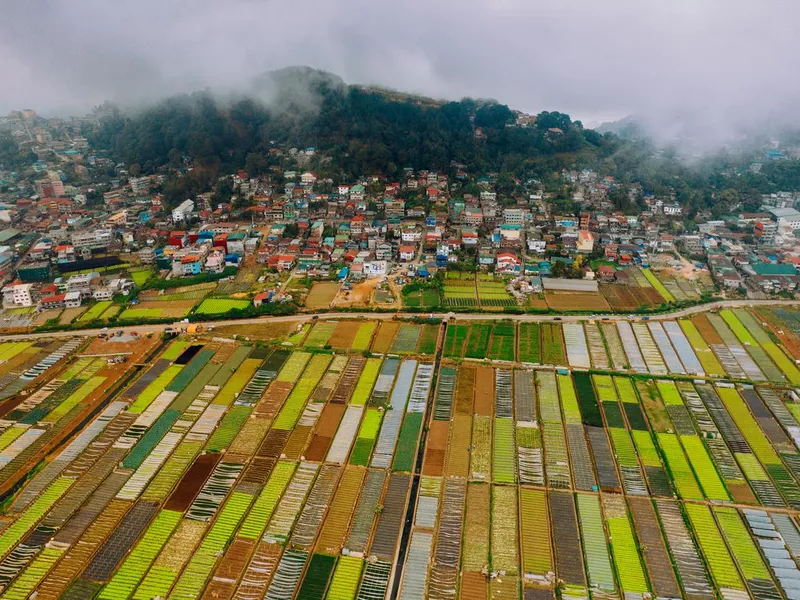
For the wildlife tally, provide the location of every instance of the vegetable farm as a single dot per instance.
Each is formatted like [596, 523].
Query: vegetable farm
[526, 460]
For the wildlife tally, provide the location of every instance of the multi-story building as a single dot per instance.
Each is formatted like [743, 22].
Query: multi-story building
[513, 216]
[17, 294]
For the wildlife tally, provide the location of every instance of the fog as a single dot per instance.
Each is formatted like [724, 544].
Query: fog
[685, 67]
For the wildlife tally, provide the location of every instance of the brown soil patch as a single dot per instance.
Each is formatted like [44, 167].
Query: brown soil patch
[435, 448]
[321, 294]
[44, 316]
[706, 329]
[71, 314]
[297, 442]
[326, 428]
[344, 334]
[265, 331]
[359, 295]
[385, 336]
[576, 301]
[191, 482]
[465, 388]
[790, 341]
[484, 391]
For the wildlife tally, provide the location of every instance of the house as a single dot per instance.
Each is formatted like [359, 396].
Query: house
[215, 262]
[261, 298]
[147, 256]
[17, 294]
[383, 251]
[507, 262]
[55, 301]
[72, 299]
[357, 192]
[407, 253]
[585, 241]
[536, 246]
[281, 262]
[102, 294]
[190, 265]
[182, 211]
[375, 268]
[308, 179]
[606, 273]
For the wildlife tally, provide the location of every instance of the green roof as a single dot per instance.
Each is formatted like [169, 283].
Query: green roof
[771, 269]
[8, 234]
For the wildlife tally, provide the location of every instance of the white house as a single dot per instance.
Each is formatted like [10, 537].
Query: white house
[72, 299]
[18, 294]
[182, 211]
[308, 178]
[375, 268]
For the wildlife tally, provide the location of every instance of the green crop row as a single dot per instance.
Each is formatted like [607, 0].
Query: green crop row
[504, 459]
[133, 570]
[681, 472]
[261, 511]
[194, 576]
[287, 417]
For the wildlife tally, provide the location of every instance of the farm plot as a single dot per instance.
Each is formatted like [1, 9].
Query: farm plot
[502, 343]
[220, 306]
[321, 294]
[426, 298]
[529, 348]
[454, 340]
[95, 312]
[320, 334]
[552, 345]
[659, 287]
[577, 348]
[577, 301]
[428, 339]
[407, 338]
[493, 294]
[460, 290]
[597, 349]
[344, 334]
[478, 340]
[631, 347]
[382, 342]
[363, 337]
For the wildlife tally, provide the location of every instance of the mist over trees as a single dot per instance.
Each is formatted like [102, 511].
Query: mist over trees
[375, 131]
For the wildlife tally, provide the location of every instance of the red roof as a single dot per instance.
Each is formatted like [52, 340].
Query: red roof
[262, 296]
[52, 299]
[189, 259]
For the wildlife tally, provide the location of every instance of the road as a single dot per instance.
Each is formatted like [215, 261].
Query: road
[142, 329]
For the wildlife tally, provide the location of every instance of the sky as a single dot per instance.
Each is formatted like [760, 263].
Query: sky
[725, 62]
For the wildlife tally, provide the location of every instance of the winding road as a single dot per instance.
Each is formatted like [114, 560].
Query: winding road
[305, 317]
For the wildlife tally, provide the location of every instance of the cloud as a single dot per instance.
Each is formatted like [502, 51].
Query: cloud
[725, 61]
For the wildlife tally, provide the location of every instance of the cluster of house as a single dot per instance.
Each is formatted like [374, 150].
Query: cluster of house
[209, 249]
[64, 292]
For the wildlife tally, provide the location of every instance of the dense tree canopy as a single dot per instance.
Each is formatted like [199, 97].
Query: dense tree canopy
[365, 131]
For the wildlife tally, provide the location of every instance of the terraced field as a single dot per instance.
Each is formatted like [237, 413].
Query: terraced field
[644, 465]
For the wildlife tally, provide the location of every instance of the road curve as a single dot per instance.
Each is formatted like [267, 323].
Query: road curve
[304, 317]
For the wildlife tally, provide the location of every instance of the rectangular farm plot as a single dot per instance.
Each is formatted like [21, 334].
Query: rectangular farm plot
[493, 294]
[454, 340]
[460, 290]
[501, 346]
[219, 306]
[552, 345]
[321, 294]
[477, 344]
[384, 338]
[529, 346]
